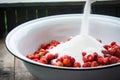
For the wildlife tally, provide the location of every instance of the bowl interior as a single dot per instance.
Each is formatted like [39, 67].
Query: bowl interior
[27, 37]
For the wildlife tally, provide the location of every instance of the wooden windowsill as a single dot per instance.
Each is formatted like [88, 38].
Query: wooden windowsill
[34, 1]
[17, 3]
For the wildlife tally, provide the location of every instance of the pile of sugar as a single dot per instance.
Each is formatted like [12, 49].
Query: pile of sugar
[77, 45]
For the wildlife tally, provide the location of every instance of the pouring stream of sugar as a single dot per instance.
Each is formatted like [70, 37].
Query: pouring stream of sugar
[81, 42]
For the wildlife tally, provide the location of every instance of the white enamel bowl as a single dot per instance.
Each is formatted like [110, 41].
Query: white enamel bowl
[27, 37]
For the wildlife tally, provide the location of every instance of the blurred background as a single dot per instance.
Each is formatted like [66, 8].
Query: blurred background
[15, 12]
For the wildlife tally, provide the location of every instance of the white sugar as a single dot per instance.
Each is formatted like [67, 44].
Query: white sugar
[81, 42]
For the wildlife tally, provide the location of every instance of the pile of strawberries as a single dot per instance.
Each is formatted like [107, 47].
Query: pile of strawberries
[111, 55]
